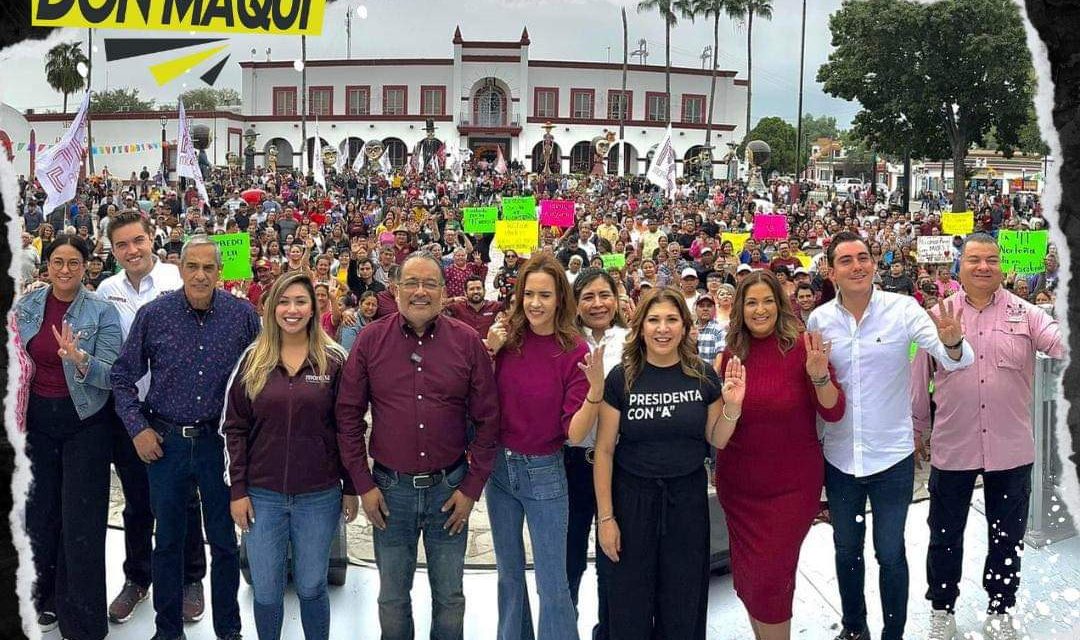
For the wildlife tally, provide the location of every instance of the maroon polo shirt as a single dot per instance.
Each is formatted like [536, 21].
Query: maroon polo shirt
[387, 304]
[422, 391]
[480, 320]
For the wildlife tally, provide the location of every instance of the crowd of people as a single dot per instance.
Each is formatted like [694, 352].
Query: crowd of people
[383, 360]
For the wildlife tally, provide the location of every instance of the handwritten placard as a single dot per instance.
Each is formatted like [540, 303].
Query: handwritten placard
[959, 223]
[235, 255]
[737, 241]
[935, 249]
[614, 260]
[1023, 251]
[557, 213]
[770, 227]
[520, 236]
[480, 219]
[521, 208]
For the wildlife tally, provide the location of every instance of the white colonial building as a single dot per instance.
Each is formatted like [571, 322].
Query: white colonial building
[488, 94]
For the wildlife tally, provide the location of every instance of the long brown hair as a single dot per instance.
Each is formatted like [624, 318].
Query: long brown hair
[787, 325]
[634, 351]
[565, 308]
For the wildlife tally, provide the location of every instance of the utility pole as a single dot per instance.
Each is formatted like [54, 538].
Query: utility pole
[642, 52]
[798, 127]
[348, 33]
[303, 102]
[89, 77]
[622, 112]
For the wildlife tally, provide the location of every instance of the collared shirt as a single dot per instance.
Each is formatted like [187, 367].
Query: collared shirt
[983, 418]
[613, 341]
[422, 390]
[711, 341]
[190, 354]
[479, 319]
[872, 364]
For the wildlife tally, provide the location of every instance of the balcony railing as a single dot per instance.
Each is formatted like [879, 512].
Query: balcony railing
[470, 119]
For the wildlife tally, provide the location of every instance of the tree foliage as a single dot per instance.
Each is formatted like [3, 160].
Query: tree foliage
[780, 136]
[62, 68]
[209, 99]
[815, 128]
[932, 79]
[117, 100]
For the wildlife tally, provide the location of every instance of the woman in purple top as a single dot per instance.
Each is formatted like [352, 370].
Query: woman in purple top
[550, 389]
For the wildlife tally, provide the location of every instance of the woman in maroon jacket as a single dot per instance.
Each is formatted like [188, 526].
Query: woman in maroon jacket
[282, 457]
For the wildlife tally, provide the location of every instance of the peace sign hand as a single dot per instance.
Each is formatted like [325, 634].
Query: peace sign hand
[949, 326]
[817, 355]
[68, 341]
[734, 389]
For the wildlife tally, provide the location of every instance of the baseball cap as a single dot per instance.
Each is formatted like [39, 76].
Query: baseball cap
[262, 263]
[744, 268]
[801, 270]
[706, 250]
[704, 298]
[645, 283]
[689, 272]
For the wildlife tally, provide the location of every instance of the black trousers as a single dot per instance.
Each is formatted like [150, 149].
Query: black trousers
[139, 517]
[582, 495]
[1007, 494]
[67, 513]
[659, 588]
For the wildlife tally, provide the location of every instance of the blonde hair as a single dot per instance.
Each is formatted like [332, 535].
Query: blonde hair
[265, 353]
[634, 351]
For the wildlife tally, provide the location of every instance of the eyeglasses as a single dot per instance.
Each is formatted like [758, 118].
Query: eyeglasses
[72, 265]
[413, 284]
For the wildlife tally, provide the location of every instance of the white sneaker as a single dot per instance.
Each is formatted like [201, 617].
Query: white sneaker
[1001, 626]
[942, 626]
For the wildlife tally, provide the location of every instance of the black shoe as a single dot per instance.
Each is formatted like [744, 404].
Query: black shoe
[47, 621]
[235, 635]
[161, 636]
[847, 634]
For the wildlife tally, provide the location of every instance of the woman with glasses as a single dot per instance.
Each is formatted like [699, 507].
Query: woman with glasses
[506, 277]
[72, 337]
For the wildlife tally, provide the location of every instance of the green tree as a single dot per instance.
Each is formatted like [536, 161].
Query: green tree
[780, 136]
[932, 79]
[746, 10]
[209, 99]
[118, 100]
[61, 68]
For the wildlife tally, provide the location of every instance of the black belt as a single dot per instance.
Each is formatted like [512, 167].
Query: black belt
[423, 480]
[588, 453]
[190, 430]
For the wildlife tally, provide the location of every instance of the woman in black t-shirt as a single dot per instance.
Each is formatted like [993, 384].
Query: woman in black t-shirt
[664, 407]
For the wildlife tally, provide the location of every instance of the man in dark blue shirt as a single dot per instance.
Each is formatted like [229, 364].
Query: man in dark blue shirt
[189, 340]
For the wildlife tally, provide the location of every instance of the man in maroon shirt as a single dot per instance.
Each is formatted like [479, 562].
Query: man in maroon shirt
[426, 377]
[785, 258]
[473, 310]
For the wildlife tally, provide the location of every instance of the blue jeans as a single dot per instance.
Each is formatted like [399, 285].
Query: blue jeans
[531, 489]
[201, 459]
[307, 522]
[413, 511]
[890, 493]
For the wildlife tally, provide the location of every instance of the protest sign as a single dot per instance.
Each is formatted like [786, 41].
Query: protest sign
[480, 219]
[737, 241]
[770, 227]
[558, 213]
[617, 260]
[958, 224]
[1023, 251]
[521, 208]
[235, 255]
[935, 249]
[521, 236]
[804, 259]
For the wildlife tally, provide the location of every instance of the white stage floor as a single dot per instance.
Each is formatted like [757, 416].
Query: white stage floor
[1050, 600]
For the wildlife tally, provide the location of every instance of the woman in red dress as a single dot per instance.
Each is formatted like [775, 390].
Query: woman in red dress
[770, 473]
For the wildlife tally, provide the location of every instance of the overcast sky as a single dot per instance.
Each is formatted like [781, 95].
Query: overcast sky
[559, 29]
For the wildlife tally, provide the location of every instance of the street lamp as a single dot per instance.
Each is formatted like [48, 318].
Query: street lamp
[164, 152]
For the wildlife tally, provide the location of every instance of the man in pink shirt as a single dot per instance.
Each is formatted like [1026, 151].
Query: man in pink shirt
[982, 425]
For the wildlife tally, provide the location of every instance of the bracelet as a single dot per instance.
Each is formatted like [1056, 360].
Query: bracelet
[591, 401]
[606, 519]
[955, 346]
[723, 411]
[821, 382]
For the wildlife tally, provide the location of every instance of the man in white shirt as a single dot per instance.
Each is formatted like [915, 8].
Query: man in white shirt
[870, 452]
[142, 279]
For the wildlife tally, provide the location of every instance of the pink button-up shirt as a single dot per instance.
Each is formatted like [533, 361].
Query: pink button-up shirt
[983, 418]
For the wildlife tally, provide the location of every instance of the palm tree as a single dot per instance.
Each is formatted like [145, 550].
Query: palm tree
[667, 9]
[747, 9]
[61, 68]
[710, 9]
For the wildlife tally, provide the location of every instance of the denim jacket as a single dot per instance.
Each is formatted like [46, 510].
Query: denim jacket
[98, 324]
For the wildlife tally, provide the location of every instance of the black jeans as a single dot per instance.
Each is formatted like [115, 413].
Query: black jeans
[582, 494]
[67, 512]
[1007, 494]
[139, 518]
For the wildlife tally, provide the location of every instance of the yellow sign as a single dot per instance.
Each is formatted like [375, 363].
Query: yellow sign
[804, 259]
[959, 223]
[293, 17]
[521, 236]
[737, 241]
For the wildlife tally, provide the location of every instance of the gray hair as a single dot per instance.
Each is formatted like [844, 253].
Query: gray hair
[197, 240]
[979, 238]
[423, 255]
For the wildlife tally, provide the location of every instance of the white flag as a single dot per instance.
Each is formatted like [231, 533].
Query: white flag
[500, 161]
[187, 161]
[360, 162]
[434, 164]
[384, 162]
[58, 166]
[662, 169]
[316, 162]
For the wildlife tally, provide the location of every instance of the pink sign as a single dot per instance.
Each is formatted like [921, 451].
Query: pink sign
[557, 213]
[770, 227]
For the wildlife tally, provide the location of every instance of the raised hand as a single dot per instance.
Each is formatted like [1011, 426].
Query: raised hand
[734, 389]
[594, 369]
[949, 326]
[68, 341]
[817, 355]
[496, 336]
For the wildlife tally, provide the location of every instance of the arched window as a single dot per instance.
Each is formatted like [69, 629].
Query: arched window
[489, 106]
[350, 148]
[581, 157]
[397, 151]
[538, 157]
[629, 164]
[284, 152]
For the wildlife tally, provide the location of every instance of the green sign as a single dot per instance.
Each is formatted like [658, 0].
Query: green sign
[523, 208]
[1023, 251]
[616, 260]
[480, 219]
[235, 255]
